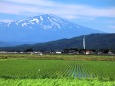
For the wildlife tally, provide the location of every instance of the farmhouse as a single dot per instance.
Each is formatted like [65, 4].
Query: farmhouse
[111, 53]
[37, 52]
[88, 52]
[58, 52]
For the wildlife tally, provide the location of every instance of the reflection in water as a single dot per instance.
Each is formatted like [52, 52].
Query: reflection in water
[78, 71]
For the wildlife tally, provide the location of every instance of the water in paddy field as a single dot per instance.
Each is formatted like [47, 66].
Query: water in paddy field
[78, 71]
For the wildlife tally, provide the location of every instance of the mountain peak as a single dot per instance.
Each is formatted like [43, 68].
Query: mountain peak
[41, 28]
[47, 21]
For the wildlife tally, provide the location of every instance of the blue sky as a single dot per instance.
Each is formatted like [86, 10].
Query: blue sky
[96, 14]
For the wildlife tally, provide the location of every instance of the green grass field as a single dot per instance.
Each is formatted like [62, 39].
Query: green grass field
[54, 82]
[56, 70]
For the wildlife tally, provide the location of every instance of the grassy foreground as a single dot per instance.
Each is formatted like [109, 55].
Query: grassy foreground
[54, 82]
[56, 70]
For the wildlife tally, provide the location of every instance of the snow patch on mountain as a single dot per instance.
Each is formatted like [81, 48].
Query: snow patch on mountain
[20, 21]
[16, 23]
[8, 24]
[54, 23]
[24, 24]
[41, 18]
[34, 20]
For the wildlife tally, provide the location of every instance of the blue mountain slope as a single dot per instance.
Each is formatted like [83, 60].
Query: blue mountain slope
[41, 29]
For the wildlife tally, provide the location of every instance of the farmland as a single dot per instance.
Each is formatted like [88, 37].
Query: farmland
[56, 70]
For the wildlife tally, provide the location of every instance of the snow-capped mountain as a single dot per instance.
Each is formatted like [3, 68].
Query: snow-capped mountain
[41, 29]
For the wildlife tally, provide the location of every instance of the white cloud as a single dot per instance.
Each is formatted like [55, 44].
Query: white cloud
[35, 7]
[6, 20]
[34, 2]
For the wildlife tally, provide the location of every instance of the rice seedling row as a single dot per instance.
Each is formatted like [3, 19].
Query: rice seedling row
[40, 69]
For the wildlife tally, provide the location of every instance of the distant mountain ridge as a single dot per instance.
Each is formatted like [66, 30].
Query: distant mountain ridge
[93, 41]
[41, 28]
